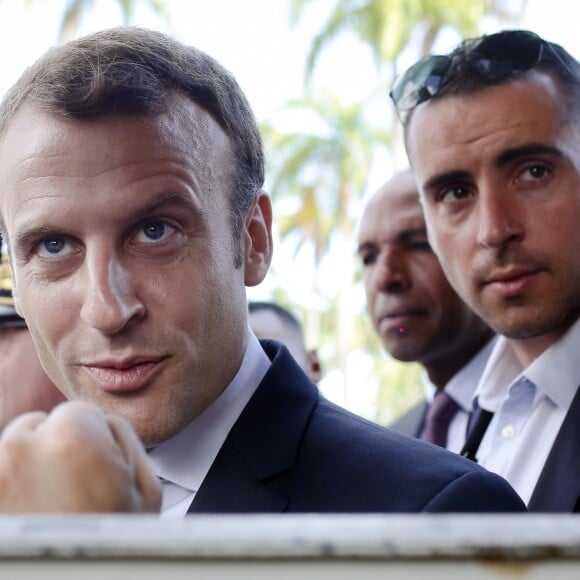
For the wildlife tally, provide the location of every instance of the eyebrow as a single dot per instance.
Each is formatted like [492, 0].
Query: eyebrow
[403, 236]
[506, 157]
[411, 233]
[165, 199]
[516, 153]
[438, 181]
[365, 246]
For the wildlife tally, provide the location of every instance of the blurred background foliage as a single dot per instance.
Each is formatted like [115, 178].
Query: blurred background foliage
[319, 169]
[322, 149]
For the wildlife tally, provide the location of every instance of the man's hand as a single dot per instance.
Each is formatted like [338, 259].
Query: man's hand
[75, 459]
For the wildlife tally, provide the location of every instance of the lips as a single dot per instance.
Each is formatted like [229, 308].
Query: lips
[123, 376]
[399, 318]
[513, 281]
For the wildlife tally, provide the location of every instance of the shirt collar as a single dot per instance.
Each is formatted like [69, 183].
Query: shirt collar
[186, 458]
[462, 385]
[556, 372]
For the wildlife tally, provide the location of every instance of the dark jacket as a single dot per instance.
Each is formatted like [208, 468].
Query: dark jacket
[291, 450]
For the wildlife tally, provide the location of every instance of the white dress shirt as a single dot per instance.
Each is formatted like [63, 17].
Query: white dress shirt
[183, 461]
[461, 388]
[529, 407]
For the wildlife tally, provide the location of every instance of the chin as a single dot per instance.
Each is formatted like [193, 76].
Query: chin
[406, 354]
[532, 325]
[153, 437]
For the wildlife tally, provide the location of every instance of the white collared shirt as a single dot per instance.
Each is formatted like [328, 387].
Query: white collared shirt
[529, 407]
[461, 388]
[184, 460]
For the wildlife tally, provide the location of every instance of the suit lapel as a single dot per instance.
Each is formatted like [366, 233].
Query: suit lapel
[263, 444]
[558, 488]
[231, 487]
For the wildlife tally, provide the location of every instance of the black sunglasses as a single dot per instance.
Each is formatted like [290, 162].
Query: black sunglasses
[499, 55]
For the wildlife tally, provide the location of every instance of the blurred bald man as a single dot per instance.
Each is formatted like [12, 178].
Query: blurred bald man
[270, 320]
[417, 314]
[24, 385]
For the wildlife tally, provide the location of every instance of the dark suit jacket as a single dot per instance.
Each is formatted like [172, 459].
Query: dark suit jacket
[293, 451]
[558, 488]
[411, 423]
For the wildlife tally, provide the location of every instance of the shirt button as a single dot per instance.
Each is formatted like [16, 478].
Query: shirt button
[508, 431]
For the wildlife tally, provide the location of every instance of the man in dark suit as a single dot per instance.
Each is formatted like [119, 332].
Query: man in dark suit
[293, 451]
[132, 171]
[417, 314]
[493, 135]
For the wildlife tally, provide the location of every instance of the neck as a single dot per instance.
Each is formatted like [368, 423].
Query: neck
[441, 371]
[527, 350]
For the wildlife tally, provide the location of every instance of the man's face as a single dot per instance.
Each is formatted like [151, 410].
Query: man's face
[499, 178]
[124, 258]
[24, 386]
[417, 314]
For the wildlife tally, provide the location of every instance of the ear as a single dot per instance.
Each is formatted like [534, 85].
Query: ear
[315, 366]
[258, 240]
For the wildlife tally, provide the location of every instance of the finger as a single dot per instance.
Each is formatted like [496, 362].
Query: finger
[23, 424]
[145, 479]
[83, 418]
[78, 410]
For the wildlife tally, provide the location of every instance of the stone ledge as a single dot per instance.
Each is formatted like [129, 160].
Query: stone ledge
[515, 538]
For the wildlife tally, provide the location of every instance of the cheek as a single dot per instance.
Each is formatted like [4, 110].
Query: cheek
[50, 321]
[38, 296]
[447, 250]
[427, 274]
[433, 228]
[455, 273]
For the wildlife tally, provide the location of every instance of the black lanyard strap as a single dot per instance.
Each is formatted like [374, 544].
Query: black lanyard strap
[477, 427]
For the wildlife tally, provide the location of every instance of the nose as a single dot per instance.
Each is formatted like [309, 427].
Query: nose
[500, 221]
[110, 298]
[392, 275]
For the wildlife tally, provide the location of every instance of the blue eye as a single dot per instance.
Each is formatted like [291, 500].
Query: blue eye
[54, 246]
[50, 247]
[154, 231]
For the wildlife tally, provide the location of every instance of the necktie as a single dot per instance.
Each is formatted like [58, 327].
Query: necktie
[437, 419]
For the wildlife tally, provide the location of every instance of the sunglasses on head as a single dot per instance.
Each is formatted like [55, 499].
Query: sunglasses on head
[498, 56]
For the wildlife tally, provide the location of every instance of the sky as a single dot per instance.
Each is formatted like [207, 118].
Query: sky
[253, 39]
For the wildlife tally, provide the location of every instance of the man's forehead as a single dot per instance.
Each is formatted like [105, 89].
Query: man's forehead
[46, 161]
[36, 139]
[392, 216]
[498, 118]
[181, 113]
[398, 199]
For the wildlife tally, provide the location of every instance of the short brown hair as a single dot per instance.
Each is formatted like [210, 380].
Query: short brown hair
[466, 73]
[134, 71]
